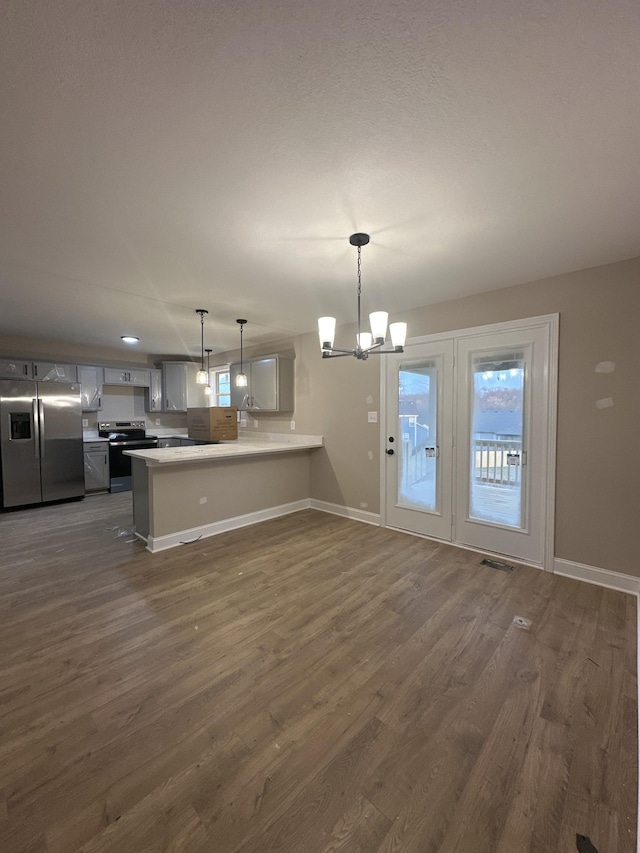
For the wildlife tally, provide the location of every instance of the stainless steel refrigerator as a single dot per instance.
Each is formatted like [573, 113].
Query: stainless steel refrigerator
[41, 451]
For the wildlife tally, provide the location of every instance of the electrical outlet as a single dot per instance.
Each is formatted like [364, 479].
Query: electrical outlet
[203, 500]
[372, 417]
[85, 422]
[157, 421]
[255, 423]
[293, 424]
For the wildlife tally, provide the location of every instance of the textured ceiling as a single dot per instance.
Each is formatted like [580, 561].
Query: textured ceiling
[158, 157]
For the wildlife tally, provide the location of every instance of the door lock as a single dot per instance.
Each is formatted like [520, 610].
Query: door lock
[390, 451]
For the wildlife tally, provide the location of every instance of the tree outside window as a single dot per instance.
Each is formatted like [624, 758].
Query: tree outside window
[221, 383]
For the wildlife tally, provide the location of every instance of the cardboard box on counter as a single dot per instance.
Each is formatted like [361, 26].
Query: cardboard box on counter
[215, 423]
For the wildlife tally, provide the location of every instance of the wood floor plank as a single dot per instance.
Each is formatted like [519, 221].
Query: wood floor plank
[310, 683]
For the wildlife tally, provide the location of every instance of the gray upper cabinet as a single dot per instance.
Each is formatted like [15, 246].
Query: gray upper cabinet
[47, 371]
[91, 378]
[127, 376]
[154, 396]
[270, 384]
[15, 369]
[179, 388]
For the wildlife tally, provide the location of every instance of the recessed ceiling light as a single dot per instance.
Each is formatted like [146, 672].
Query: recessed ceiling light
[129, 339]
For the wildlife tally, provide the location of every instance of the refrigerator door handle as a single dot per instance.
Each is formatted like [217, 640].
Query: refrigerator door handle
[36, 429]
[42, 435]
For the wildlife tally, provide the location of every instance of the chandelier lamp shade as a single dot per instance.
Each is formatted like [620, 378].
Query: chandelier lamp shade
[241, 378]
[367, 343]
[202, 377]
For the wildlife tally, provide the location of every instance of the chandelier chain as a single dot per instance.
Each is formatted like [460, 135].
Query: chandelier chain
[359, 289]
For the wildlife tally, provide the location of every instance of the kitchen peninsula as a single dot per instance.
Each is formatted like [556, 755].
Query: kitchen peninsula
[183, 493]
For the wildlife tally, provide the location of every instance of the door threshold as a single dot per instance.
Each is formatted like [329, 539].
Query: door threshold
[464, 547]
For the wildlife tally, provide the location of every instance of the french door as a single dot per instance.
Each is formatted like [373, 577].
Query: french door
[469, 435]
[419, 452]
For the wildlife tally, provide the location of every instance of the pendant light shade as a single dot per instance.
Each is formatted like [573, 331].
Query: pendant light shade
[241, 378]
[202, 377]
[207, 387]
[367, 343]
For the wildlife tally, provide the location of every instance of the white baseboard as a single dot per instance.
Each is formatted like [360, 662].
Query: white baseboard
[184, 537]
[600, 577]
[346, 512]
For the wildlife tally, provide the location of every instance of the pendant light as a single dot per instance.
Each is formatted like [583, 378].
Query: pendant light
[367, 343]
[202, 377]
[207, 387]
[241, 378]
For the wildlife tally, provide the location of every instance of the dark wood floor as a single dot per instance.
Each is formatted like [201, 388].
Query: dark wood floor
[307, 685]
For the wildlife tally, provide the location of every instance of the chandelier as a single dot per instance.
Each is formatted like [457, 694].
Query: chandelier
[367, 343]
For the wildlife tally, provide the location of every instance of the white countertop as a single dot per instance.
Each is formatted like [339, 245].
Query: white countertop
[245, 446]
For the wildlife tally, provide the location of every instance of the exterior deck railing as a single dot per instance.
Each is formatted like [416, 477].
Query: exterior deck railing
[490, 460]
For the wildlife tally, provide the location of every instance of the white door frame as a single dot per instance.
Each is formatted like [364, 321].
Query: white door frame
[551, 322]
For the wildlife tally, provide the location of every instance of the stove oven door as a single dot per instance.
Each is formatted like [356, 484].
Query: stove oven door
[120, 465]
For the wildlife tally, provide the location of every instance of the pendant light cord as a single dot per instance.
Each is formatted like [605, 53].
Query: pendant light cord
[202, 340]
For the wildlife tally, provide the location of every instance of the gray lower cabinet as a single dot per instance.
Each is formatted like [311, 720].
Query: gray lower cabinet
[48, 371]
[96, 466]
[127, 376]
[171, 441]
[15, 369]
[90, 378]
[269, 387]
[176, 441]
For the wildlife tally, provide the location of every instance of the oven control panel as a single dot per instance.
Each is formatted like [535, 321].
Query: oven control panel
[112, 426]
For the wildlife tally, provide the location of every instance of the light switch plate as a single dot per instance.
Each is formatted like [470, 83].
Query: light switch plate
[85, 422]
[372, 417]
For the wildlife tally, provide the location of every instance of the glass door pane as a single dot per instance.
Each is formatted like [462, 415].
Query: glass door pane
[417, 436]
[496, 469]
[418, 446]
